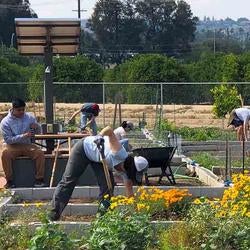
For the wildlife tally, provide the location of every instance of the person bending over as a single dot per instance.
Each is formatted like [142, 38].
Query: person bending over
[239, 119]
[89, 111]
[84, 153]
[121, 132]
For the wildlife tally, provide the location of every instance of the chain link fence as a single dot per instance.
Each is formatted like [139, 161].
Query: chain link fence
[180, 103]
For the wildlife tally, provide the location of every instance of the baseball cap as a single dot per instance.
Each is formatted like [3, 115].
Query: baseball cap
[130, 125]
[141, 165]
[96, 107]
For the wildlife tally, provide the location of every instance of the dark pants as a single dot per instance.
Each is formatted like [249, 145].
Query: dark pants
[75, 167]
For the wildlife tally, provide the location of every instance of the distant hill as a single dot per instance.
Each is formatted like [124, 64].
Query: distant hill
[239, 29]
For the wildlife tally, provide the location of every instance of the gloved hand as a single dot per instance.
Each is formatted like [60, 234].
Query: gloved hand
[99, 141]
[103, 206]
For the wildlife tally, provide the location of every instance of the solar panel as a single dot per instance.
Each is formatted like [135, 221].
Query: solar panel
[34, 35]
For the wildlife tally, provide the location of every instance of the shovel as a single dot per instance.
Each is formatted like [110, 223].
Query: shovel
[105, 203]
[54, 164]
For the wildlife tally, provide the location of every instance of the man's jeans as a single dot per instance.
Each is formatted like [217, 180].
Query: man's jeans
[75, 167]
[86, 116]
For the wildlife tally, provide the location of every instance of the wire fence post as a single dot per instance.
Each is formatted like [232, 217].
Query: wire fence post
[103, 103]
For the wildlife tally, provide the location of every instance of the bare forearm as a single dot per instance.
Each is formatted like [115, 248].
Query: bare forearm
[129, 188]
[245, 131]
[115, 145]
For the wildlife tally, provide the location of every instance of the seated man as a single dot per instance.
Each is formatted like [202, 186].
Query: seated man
[18, 129]
[89, 111]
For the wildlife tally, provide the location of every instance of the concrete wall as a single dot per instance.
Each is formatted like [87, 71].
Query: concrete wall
[24, 172]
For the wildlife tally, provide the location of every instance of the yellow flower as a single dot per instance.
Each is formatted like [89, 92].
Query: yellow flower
[106, 196]
[39, 204]
[140, 206]
[113, 205]
[197, 202]
[25, 204]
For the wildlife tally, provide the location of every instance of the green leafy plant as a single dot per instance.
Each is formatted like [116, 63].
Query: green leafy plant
[119, 229]
[5, 193]
[49, 236]
[226, 98]
[193, 134]
[206, 160]
[202, 229]
[13, 237]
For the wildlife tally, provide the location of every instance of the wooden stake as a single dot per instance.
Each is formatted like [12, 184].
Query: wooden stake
[54, 164]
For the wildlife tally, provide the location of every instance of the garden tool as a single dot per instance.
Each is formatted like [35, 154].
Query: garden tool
[105, 202]
[54, 164]
[87, 124]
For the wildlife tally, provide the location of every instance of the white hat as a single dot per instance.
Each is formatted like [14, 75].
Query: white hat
[141, 163]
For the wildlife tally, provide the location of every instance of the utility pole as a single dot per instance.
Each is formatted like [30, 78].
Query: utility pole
[214, 41]
[79, 9]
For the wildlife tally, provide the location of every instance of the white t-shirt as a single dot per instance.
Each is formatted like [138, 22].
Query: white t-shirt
[243, 114]
[112, 159]
[120, 133]
[93, 154]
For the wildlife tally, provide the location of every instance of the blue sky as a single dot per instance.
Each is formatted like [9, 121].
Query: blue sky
[217, 8]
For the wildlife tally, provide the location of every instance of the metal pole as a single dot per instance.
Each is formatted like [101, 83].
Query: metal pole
[48, 83]
[48, 87]
[103, 103]
[243, 155]
[161, 101]
[226, 170]
[230, 163]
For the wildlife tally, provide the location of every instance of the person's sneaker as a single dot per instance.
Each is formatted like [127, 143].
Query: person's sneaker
[9, 184]
[39, 183]
[53, 216]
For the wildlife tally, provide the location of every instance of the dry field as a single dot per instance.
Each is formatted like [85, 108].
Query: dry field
[181, 115]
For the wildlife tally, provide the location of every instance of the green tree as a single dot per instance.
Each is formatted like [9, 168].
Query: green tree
[148, 68]
[70, 69]
[13, 56]
[77, 69]
[226, 98]
[116, 27]
[10, 72]
[9, 10]
[125, 27]
[229, 66]
[35, 84]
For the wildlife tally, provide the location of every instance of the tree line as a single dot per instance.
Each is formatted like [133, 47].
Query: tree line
[149, 68]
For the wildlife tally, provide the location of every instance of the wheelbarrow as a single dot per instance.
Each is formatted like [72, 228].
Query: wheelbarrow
[158, 157]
